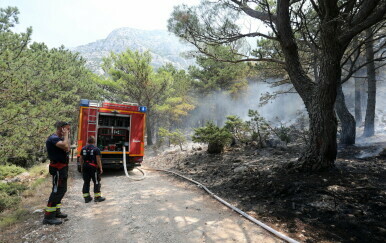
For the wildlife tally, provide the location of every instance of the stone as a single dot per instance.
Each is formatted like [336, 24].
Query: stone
[241, 169]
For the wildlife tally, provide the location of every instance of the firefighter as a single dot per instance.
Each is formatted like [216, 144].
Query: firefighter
[90, 160]
[58, 147]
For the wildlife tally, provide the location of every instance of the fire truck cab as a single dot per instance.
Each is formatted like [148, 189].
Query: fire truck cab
[114, 126]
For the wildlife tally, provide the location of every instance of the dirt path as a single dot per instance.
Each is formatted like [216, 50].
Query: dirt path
[157, 209]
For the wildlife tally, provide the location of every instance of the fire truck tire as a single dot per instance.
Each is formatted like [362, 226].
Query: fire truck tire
[129, 168]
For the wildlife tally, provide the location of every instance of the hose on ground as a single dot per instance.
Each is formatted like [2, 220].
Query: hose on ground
[125, 168]
[264, 226]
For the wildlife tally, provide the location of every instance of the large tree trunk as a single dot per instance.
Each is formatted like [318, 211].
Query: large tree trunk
[319, 96]
[149, 128]
[347, 136]
[321, 149]
[371, 97]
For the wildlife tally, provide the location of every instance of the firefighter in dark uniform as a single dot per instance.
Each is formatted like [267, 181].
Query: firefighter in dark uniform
[90, 160]
[58, 147]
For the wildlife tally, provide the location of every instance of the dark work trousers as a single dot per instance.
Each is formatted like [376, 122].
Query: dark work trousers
[59, 186]
[91, 173]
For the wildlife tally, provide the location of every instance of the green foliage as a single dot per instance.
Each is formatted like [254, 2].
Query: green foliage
[175, 137]
[215, 137]
[237, 127]
[283, 132]
[132, 71]
[259, 127]
[177, 102]
[12, 189]
[38, 86]
[7, 201]
[10, 171]
[13, 217]
[213, 75]
[8, 18]
[10, 195]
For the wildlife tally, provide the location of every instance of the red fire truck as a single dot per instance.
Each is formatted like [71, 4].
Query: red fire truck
[115, 127]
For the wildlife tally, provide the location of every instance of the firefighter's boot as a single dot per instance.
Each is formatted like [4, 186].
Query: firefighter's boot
[49, 218]
[87, 199]
[99, 199]
[59, 214]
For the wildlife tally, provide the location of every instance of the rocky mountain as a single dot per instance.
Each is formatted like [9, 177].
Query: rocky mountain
[164, 47]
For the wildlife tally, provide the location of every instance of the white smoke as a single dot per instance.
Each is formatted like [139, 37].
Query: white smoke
[284, 108]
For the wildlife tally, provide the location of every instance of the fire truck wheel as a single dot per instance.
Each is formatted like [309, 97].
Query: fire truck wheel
[129, 168]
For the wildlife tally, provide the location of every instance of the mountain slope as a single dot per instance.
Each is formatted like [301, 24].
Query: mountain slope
[164, 47]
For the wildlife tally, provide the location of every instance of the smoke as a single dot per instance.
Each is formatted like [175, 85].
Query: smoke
[286, 108]
[380, 113]
[216, 107]
[368, 153]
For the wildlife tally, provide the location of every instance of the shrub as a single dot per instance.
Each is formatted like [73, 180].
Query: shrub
[284, 133]
[258, 128]
[175, 137]
[7, 201]
[13, 217]
[10, 195]
[10, 171]
[12, 189]
[215, 137]
[237, 127]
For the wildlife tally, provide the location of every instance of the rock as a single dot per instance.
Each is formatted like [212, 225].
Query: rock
[12, 180]
[276, 143]
[38, 211]
[241, 169]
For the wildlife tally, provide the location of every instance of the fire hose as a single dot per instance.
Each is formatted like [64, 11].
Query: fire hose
[242, 213]
[125, 168]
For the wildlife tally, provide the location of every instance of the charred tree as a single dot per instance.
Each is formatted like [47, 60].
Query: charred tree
[372, 88]
[358, 88]
[347, 135]
[358, 101]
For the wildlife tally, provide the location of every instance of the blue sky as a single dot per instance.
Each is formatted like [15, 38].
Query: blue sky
[77, 22]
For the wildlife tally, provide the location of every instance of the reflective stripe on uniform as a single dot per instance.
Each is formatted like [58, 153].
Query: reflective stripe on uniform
[50, 209]
[86, 194]
[97, 194]
[58, 205]
[56, 183]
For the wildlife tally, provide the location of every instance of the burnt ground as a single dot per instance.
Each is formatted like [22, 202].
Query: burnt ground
[345, 204]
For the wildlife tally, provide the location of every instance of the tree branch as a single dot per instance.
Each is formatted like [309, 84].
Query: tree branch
[374, 15]
[254, 13]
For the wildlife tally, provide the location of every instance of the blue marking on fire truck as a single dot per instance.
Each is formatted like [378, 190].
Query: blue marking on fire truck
[142, 108]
